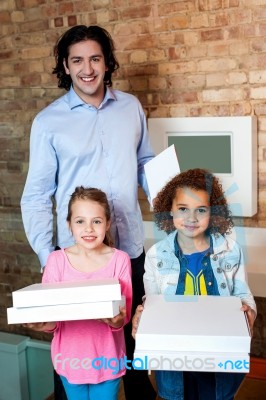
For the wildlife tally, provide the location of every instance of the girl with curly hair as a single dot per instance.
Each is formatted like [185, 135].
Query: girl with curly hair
[197, 257]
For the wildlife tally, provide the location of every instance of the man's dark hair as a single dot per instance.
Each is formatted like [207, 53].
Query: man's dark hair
[78, 34]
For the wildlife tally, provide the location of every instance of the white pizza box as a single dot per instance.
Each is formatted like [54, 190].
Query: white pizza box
[45, 294]
[196, 324]
[64, 312]
[189, 361]
[161, 169]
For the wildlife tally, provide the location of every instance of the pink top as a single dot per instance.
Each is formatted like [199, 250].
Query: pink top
[77, 343]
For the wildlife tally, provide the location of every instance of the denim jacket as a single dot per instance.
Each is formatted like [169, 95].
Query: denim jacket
[225, 275]
[163, 268]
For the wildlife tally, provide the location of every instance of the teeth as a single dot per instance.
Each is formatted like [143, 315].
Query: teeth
[87, 79]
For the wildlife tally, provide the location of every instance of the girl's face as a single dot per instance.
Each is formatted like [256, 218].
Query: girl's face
[191, 212]
[88, 223]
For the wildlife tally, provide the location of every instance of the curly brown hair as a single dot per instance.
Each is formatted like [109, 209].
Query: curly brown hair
[196, 179]
[96, 195]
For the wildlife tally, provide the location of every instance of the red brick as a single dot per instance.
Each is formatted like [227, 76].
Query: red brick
[58, 22]
[166, 9]
[31, 80]
[212, 34]
[209, 5]
[72, 20]
[34, 26]
[136, 12]
[5, 17]
[65, 8]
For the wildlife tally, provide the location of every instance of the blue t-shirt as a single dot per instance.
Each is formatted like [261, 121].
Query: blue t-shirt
[195, 282]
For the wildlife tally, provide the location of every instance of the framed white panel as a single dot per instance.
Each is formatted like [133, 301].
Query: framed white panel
[232, 139]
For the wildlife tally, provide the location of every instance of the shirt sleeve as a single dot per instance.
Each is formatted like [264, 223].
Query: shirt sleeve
[144, 153]
[36, 201]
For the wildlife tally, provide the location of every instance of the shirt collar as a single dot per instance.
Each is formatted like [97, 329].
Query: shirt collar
[179, 253]
[75, 101]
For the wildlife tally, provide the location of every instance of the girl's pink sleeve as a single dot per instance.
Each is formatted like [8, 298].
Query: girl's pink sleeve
[126, 283]
[51, 271]
[51, 274]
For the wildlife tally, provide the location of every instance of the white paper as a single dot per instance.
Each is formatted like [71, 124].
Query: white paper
[160, 170]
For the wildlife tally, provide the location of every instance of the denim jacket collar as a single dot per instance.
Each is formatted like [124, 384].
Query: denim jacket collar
[218, 244]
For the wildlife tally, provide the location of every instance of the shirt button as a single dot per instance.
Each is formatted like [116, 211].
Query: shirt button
[159, 264]
[228, 266]
[205, 264]
[209, 283]
[219, 270]
[223, 285]
[215, 258]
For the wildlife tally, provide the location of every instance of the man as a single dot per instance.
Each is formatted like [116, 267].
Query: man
[91, 136]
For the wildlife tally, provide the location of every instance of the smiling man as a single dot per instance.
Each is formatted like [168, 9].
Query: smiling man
[92, 136]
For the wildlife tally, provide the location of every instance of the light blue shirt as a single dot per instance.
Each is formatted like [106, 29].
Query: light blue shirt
[72, 144]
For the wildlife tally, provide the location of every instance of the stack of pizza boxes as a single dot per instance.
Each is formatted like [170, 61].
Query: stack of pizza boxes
[65, 301]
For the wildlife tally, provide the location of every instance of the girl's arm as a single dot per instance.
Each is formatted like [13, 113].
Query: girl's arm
[41, 326]
[240, 284]
[135, 320]
[50, 274]
[242, 290]
[251, 316]
[124, 276]
[118, 321]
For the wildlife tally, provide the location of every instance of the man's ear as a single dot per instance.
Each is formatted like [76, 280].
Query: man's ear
[65, 66]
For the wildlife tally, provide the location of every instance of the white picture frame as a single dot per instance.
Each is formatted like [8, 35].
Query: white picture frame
[240, 185]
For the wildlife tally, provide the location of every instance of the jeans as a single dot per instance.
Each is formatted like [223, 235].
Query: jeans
[107, 390]
[176, 385]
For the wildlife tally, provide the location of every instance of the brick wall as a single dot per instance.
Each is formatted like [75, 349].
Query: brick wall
[180, 58]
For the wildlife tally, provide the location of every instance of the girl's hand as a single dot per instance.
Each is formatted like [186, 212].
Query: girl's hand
[135, 320]
[251, 315]
[118, 320]
[41, 326]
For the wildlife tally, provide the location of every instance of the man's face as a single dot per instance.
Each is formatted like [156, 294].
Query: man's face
[86, 67]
